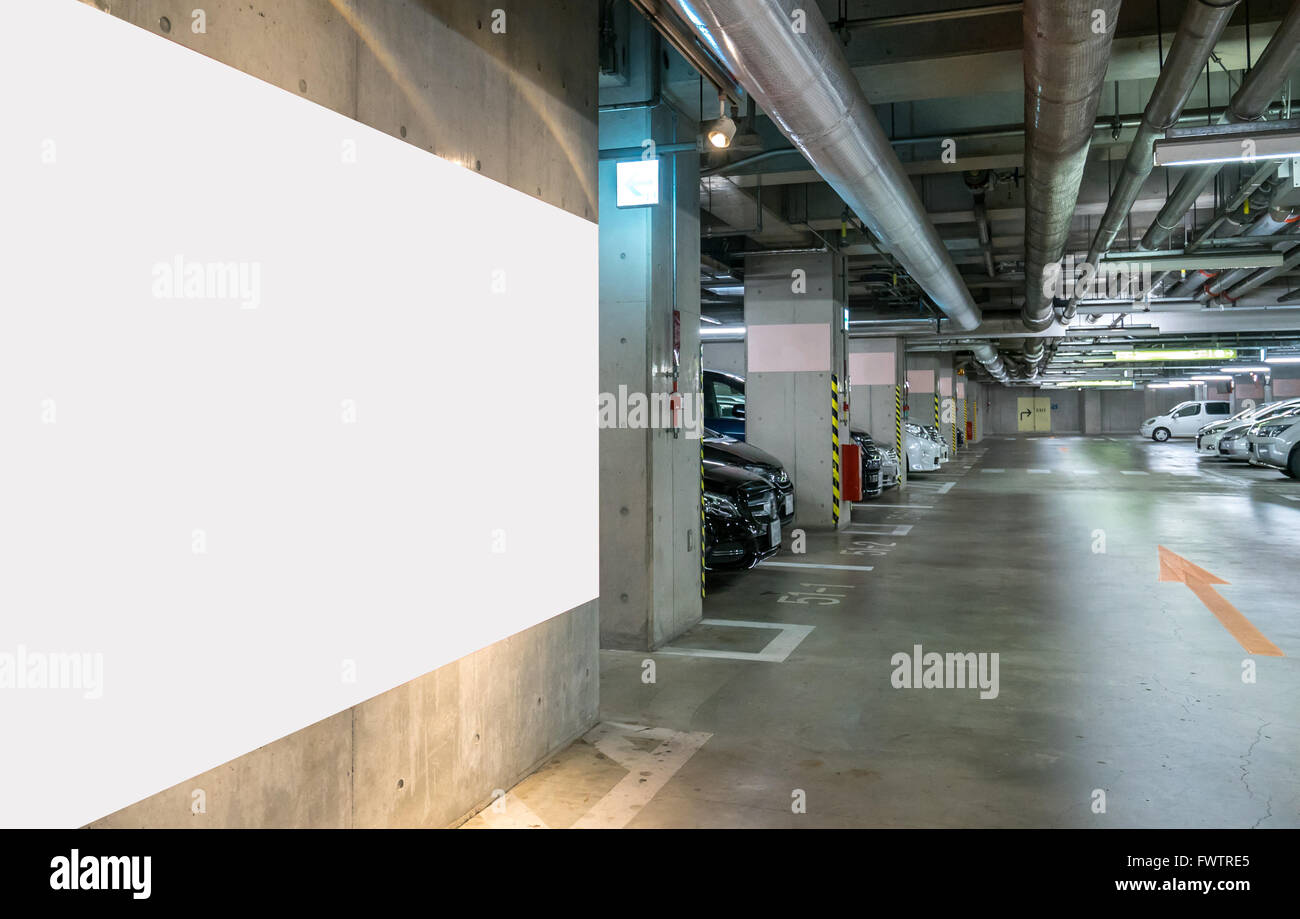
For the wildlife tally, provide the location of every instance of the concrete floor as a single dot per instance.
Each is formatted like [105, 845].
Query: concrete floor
[1110, 681]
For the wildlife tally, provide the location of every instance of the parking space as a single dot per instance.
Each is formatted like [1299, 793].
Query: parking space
[1107, 678]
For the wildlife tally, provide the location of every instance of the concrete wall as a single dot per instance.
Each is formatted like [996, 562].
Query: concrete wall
[520, 108]
[650, 566]
[871, 407]
[727, 356]
[788, 411]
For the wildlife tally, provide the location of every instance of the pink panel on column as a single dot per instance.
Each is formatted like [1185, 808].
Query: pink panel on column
[797, 348]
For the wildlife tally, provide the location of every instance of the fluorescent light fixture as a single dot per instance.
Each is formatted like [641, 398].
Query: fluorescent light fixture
[1227, 144]
[1260, 369]
[710, 320]
[726, 290]
[1174, 354]
[733, 331]
[1254, 257]
[637, 182]
[1206, 377]
[1282, 360]
[1118, 384]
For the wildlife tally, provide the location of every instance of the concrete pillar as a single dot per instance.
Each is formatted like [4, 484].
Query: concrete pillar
[1091, 411]
[976, 417]
[947, 419]
[650, 560]
[922, 378]
[796, 344]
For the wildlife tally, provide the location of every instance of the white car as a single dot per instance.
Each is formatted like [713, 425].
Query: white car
[932, 432]
[1207, 438]
[1184, 419]
[1276, 442]
[923, 453]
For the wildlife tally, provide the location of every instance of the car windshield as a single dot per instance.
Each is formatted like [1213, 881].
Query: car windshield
[1277, 411]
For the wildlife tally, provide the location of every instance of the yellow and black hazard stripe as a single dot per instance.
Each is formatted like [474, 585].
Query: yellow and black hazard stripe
[701, 540]
[898, 422]
[953, 402]
[936, 406]
[835, 449]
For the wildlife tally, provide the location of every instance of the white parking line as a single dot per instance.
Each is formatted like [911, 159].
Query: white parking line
[777, 650]
[1084, 471]
[1039, 471]
[1290, 497]
[810, 565]
[886, 506]
[648, 770]
[1133, 472]
[880, 529]
[992, 470]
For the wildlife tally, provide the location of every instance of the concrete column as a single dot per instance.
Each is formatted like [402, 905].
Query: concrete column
[796, 343]
[976, 401]
[947, 420]
[650, 561]
[922, 378]
[1091, 411]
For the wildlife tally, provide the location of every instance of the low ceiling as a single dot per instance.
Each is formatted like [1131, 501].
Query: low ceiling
[937, 69]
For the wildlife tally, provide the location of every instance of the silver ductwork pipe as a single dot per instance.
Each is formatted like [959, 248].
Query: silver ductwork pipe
[802, 81]
[1248, 103]
[1065, 67]
[988, 355]
[1202, 23]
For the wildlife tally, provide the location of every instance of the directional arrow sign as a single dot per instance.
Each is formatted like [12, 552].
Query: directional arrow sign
[1176, 568]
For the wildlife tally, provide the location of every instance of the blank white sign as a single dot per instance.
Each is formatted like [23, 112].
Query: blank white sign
[265, 451]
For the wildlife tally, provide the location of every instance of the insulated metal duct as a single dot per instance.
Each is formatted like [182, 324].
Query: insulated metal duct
[785, 56]
[1065, 66]
[1248, 103]
[1202, 23]
[988, 355]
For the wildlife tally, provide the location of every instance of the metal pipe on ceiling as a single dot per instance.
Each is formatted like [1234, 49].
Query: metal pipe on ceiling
[1199, 30]
[1249, 102]
[804, 84]
[1065, 66]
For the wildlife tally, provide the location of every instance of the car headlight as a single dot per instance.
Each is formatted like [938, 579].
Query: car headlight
[1149, 421]
[720, 505]
[771, 475]
[913, 429]
[1273, 430]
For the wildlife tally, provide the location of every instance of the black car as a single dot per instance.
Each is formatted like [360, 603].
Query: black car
[741, 525]
[723, 449]
[873, 460]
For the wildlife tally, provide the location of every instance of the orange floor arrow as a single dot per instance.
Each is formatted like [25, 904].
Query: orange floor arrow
[1176, 568]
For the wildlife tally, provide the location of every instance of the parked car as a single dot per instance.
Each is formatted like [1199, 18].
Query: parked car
[723, 449]
[724, 403]
[1276, 442]
[874, 462]
[1207, 438]
[932, 432]
[923, 453]
[741, 523]
[1184, 419]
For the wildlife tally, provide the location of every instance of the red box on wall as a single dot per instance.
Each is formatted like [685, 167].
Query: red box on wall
[851, 472]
